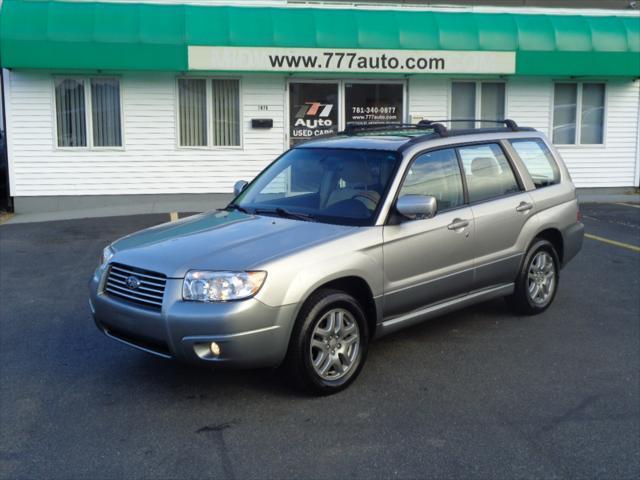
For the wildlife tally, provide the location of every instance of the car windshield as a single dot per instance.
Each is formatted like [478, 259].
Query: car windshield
[342, 186]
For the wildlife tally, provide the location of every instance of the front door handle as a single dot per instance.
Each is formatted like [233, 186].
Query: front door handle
[524, 207]
[458, 224]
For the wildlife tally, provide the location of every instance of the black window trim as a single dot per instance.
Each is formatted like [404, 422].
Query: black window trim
[465, 204]
[464, 193]
[455, 147]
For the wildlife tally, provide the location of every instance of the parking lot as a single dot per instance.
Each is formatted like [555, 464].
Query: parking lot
[477, 394]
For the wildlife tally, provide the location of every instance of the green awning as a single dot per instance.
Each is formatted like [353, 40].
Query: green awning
[128, 36]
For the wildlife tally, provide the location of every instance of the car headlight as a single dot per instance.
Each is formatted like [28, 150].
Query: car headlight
[206, 286]
[107, 254]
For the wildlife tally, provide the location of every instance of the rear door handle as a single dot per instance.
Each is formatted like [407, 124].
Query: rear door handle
[524, 207]
[458, 224]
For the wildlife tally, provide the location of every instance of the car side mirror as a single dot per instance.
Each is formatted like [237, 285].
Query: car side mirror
[239, 187]
[415, 207]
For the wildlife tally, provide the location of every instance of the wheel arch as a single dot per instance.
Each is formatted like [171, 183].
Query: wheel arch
[554, 236]
[359, 289]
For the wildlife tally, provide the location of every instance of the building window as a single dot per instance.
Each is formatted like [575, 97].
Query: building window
[477, 100]
[208, 112]
[373, 103]
[192, 101]
[578, 113]
[71, 113]
[313, 110]
[225, 96]
[105, 112]
[81, 102]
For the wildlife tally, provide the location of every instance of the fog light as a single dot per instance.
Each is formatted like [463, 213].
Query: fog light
[215, 349]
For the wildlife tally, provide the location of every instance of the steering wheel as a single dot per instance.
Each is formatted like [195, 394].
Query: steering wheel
[369, 198]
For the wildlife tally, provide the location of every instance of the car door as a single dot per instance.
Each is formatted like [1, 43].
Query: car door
[500, 209]
[429, 260]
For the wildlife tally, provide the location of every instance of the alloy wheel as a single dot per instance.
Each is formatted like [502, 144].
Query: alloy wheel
[541, 278]
[335, 344]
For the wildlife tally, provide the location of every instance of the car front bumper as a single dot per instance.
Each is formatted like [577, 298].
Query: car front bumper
[249, 333]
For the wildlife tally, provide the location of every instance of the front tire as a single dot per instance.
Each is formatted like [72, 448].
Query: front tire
[537, 282]
[329, 343]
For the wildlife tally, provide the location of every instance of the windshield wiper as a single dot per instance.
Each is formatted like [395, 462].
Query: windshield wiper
[286, 213]
[235, 206]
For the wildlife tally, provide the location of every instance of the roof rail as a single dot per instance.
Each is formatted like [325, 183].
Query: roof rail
[436, 126]
[510, 124]
[442, 131]
[353, 128]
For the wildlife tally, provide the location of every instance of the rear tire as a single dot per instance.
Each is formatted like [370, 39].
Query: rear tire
[537, 282]
[328, 344]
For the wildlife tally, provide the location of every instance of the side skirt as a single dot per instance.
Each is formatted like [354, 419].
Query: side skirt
[412, 318]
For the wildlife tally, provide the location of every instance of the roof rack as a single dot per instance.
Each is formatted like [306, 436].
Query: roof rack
[510, 124]
[436, 126]
[353, 128]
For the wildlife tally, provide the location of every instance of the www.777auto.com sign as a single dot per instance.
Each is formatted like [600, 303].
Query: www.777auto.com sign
[267, 59]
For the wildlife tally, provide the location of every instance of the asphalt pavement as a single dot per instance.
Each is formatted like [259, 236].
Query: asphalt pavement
[480, 393]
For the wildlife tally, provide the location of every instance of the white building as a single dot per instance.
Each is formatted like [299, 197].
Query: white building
[109, 100]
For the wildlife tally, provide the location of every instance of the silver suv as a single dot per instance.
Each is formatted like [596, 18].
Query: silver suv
[342, 240]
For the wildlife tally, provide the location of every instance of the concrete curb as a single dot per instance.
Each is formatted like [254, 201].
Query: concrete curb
[590, 198]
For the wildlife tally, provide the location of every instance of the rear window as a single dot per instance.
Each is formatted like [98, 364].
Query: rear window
[538, 160]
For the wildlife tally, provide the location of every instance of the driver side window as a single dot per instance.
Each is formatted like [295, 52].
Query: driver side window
[436, 174]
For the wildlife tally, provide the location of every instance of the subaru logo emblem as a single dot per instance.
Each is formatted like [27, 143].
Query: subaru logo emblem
[132, 282]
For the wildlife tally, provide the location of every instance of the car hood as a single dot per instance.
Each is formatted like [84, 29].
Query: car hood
[220, 241]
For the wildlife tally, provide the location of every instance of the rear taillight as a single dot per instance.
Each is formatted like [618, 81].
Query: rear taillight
[579, 216]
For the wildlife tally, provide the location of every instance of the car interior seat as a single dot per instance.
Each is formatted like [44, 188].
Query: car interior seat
[353, 181]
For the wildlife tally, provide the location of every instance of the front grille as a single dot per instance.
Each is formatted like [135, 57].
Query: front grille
[149, 291]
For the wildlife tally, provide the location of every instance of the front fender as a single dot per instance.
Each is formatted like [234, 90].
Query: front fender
[292, 279]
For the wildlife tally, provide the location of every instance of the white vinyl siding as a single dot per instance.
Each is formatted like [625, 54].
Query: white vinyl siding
[150, 161]
[428, 98]
[529, 102]
[613, 164]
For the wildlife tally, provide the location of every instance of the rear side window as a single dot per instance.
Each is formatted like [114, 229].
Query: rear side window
[487, 172]
[539, 161]
[436, 174]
